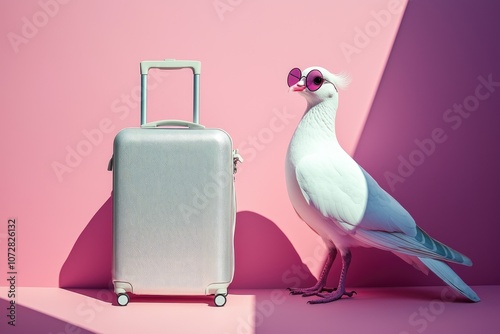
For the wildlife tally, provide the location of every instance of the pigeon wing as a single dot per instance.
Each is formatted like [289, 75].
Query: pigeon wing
[341, 190]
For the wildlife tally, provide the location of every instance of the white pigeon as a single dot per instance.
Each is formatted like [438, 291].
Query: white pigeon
[342, 203]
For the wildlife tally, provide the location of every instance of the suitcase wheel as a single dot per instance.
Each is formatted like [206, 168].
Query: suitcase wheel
[122, 299]
[220, 300]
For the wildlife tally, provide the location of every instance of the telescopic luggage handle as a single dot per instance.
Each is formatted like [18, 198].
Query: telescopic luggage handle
[168, 64]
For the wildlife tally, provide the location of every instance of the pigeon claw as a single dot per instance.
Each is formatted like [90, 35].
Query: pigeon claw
[350, 293]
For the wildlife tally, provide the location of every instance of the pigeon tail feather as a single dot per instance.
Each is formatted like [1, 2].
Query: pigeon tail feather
[443, 271]
[447, 253]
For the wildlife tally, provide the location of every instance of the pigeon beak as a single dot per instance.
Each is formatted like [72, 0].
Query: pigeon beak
[297, 87]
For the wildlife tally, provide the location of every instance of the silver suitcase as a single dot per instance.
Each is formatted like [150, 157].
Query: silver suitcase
[173, 204]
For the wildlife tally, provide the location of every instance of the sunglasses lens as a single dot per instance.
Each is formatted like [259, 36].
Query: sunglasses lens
[294, 77]
[314, 80]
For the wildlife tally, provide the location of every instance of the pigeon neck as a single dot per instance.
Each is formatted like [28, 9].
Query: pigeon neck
[320, 118]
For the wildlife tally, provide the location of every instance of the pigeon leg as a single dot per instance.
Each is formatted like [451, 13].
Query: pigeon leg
[340, 291]
[319, 286]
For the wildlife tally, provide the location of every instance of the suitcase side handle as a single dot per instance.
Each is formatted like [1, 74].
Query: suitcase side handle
[169, 64]
[172, 122]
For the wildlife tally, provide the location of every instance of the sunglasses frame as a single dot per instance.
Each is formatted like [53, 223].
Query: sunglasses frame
[307, 79]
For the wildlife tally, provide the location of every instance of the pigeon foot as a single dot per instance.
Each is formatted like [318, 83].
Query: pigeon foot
[312, 291]
[330, 297]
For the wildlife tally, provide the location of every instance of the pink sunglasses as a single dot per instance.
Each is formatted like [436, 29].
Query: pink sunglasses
[314, 79]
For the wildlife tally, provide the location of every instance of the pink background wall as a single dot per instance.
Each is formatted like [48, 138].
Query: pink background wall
[70, 83]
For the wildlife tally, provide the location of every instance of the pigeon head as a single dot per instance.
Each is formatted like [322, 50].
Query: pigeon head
[316, 84]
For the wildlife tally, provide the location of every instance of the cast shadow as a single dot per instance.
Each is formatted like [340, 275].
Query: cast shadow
[264, 257]
[108, 296]
[90, 261]
[31, 321]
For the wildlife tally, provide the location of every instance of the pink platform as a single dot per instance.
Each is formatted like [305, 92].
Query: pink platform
[372, 310]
